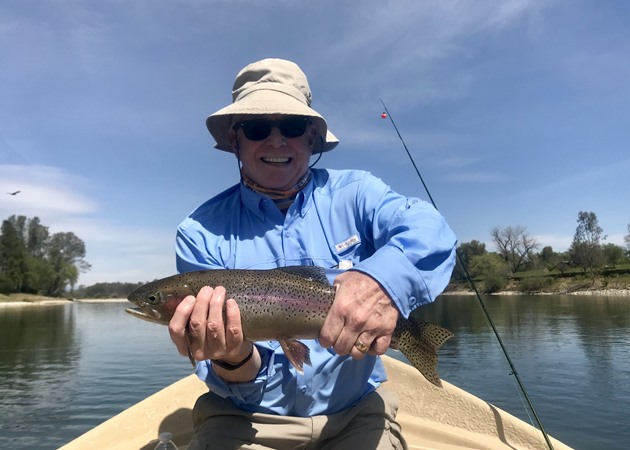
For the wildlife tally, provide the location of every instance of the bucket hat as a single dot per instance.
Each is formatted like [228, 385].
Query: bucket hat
[269, 86]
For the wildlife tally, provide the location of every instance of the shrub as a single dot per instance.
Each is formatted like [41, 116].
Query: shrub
[533, 284]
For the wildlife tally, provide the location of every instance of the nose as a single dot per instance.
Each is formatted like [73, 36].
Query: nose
[276, 139]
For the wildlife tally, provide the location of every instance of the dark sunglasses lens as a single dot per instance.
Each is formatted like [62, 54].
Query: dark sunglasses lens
[291, 127]
[256, 130]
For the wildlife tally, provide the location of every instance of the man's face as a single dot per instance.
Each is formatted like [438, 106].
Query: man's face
[276, 161]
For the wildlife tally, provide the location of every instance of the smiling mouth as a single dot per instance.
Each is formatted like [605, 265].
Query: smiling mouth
[276, 160]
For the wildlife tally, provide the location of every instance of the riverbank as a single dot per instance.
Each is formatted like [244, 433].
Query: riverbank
[25, 300]
[580, 285]
[15, 300]
[591, 292]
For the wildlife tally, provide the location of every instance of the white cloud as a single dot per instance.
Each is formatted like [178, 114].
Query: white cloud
[412, 45]
[126, 254]
[46, 192]
[558, 242]
[60, 200]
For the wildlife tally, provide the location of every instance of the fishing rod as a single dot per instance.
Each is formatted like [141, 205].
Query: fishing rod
[474, 288]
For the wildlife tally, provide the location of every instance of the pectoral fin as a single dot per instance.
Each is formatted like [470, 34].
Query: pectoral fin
[297, 352]
[190, 355]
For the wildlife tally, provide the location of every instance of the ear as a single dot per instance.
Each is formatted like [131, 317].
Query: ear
[233, 140]
[312, 138]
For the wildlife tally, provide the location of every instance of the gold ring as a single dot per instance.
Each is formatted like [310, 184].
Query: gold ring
[361, 346]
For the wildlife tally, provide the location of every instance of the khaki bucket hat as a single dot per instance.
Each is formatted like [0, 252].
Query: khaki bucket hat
[269, 86]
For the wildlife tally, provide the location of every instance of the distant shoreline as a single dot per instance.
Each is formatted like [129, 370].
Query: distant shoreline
[49, 301]
[586, 292]
[56, 301]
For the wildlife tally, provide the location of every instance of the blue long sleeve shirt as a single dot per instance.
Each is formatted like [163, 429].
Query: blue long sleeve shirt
[346, 215]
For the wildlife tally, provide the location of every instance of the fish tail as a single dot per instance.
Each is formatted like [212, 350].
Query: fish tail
[419, 341]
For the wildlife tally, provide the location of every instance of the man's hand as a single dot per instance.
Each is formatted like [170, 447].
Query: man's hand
[361, 313]
[198, 326]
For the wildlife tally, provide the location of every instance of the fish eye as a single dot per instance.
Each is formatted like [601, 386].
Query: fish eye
[152, 299]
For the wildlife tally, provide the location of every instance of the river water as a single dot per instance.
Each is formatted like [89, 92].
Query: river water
[66, 368]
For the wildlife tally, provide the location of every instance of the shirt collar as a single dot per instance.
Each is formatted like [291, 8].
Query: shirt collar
[253, 201]
[258, 204]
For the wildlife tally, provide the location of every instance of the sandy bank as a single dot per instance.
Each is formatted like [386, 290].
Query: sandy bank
[56, 301]
[15, 304]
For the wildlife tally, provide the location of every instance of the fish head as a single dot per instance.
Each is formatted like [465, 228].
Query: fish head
[157, 301]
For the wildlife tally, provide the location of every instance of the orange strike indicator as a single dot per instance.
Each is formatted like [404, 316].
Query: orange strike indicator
[384, 115]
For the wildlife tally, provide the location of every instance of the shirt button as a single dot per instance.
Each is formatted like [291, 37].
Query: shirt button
[303, 388]
[287, 234]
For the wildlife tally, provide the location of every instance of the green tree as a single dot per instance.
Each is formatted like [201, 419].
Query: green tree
[13, 257]
[613, 254]
[515, 246]
[466, 251]
[33, 261]
[492, 270]
[65, 255]
[36, 238]
[586, 248]
[626, 239]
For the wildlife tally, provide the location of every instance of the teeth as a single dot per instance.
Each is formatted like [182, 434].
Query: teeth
[276, 159]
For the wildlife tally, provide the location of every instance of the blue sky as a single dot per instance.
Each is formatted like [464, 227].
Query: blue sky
[516, 111]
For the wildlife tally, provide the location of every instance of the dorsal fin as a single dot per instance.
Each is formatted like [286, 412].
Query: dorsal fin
[314, 273]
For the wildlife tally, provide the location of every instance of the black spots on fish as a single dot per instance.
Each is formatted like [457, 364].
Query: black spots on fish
[295, 295]
[309, 273]
[419, 341]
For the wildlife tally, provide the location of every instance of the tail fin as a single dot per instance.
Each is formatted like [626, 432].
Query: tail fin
[419, 341]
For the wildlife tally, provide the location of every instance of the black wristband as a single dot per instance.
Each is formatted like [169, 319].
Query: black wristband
[228, 366]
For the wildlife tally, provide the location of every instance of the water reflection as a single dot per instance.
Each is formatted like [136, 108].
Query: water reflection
[48, 332]
[64, 369]
[572, 352]
[39, 353]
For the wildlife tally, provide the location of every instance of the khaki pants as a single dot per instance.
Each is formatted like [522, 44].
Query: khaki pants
[369, 425]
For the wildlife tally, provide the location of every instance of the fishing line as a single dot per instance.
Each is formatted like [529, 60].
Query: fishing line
[474, 288]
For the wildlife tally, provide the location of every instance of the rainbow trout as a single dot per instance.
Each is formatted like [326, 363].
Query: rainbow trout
[283, 304]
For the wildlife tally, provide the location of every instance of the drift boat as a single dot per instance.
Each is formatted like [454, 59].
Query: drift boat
[445, 418]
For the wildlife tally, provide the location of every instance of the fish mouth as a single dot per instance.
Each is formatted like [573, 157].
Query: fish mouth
[145, 313]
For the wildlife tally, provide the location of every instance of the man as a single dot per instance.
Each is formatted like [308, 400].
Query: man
[399, 252]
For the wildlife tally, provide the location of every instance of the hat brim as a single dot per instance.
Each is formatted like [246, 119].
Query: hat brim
[267, 102]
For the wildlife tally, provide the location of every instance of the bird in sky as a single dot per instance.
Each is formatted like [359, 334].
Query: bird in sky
[13, 193]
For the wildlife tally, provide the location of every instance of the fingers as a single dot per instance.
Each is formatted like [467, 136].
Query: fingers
[331, 329]
[361, 319]
[341, 330]
[208, 326]
[361, 346]
[214, 331]
[233, 328]
[178, 324]
[380, 345]
[346, 336]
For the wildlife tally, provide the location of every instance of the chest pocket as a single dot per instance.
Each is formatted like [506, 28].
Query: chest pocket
[349, 248]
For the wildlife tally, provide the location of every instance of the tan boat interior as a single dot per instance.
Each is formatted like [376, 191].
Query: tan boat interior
[432, 418]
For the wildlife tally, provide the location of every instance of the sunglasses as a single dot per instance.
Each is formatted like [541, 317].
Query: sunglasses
[260, 129]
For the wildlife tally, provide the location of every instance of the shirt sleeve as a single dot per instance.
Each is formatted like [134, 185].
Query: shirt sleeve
[190, 249]
[414, 246]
